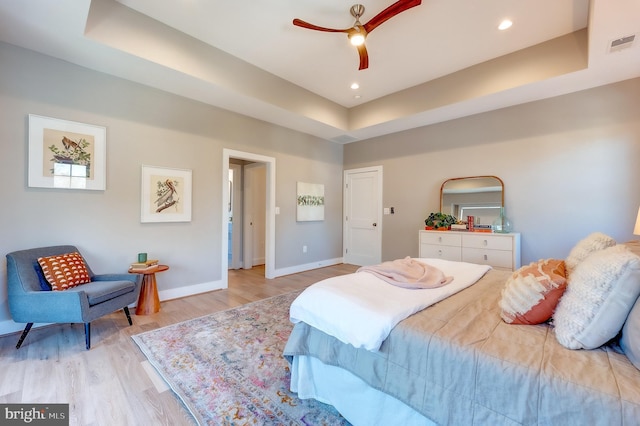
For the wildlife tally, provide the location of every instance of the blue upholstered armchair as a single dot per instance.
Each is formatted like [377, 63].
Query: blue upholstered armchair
[30, 303]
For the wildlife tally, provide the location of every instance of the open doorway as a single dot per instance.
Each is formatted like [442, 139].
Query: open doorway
[266, 224]
[247, 214]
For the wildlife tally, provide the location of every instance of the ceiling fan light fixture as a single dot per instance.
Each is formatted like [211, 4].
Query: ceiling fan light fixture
[358, 32]
[357, 39]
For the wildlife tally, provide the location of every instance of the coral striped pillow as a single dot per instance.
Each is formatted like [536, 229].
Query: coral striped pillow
[532, 293]
[64, 271]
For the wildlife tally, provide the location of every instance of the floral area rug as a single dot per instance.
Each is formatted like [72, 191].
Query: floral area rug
[228, 367]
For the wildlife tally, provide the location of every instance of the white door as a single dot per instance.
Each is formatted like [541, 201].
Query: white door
[254, 215]
[235, 216]
[363, 216]
[247, 221]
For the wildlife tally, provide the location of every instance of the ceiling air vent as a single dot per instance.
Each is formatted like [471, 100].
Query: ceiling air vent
[344, 139]
[621, 43]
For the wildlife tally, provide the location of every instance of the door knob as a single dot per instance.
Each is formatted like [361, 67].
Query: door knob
[375, 224]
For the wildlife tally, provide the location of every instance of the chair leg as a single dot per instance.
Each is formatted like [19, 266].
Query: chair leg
[126, 312]
[87, 334]
[24, 334]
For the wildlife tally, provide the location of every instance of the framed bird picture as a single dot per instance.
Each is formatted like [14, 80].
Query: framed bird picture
[166, 195]
[66, 154]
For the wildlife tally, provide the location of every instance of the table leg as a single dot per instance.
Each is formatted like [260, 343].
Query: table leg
[148, 301]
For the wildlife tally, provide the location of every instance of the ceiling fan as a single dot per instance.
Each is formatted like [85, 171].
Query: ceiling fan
[358, 32]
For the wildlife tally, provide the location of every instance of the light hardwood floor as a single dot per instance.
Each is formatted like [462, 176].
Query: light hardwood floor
[108, 385]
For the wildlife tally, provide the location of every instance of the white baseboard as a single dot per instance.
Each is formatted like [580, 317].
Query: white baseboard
[307, 267]
[189, 290]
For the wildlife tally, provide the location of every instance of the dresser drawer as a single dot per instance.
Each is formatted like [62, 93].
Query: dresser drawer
[441, 252]
[491, 242]
[495, 258]
[501, 251]
[444, 238]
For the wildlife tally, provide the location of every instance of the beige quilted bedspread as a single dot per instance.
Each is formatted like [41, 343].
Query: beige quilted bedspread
[458, 363]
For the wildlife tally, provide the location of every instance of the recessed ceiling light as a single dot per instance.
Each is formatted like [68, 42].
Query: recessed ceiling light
[505, 24]
[355, 86]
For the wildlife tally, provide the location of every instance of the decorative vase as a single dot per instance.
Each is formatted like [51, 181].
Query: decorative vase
[502, 224]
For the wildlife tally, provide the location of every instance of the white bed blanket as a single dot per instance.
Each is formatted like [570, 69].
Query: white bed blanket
[361, 309]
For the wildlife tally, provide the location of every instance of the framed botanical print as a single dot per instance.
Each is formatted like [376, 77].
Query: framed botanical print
[309, 202]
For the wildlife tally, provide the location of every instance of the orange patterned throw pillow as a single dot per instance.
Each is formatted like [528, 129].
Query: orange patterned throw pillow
[64, 271]
[532, 293]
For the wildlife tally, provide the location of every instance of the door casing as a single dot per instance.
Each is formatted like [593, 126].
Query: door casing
[270, 208]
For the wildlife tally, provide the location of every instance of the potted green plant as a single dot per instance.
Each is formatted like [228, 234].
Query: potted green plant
[439, 221]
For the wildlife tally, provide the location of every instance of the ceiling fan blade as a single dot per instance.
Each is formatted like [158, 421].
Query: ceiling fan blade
[300, 23]
[391, 11]
[364, 57]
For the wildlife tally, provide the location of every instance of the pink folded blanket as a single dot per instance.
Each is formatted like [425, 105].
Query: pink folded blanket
[408, 273]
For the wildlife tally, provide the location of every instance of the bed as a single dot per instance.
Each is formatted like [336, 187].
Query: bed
[458, 362]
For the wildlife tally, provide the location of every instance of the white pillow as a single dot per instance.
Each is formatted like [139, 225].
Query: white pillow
[600, 293]
[592, 243]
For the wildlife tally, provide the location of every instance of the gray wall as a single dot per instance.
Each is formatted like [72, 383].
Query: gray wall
[148, 126]
[570, 165]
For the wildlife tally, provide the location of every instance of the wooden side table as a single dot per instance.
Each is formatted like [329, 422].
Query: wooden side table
[148, 301]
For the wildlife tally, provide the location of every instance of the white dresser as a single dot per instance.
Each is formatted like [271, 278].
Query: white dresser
[501, 251]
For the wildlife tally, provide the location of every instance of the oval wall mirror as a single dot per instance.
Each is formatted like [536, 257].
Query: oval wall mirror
[478, 196]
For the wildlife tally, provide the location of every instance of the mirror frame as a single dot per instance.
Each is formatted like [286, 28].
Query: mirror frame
[470, 177]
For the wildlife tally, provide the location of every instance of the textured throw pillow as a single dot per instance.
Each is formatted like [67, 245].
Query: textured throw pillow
[592, 243]
[600, 293]
[630, 340]
[532, 293]
[64, 271]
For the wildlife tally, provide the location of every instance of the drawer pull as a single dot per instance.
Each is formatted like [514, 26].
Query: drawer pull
[486, 243]
[440, 253]
[439, 239]
[485, 257]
